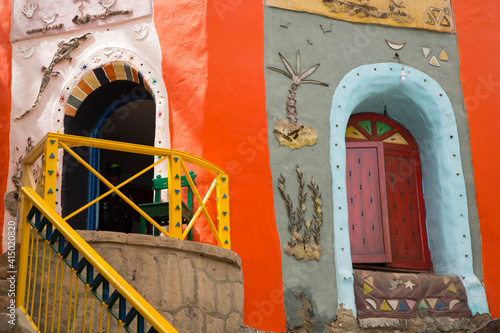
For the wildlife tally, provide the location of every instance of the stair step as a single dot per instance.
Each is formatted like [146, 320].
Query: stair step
[5, 327]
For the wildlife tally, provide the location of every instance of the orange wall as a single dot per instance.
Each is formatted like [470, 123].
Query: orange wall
[5, 98]
[478, 31]
[213, 68]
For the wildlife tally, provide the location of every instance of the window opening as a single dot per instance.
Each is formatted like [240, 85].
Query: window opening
[385, 197]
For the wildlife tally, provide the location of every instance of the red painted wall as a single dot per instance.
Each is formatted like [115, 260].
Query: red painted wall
[5, 99]
[478, 32]
[213, 68]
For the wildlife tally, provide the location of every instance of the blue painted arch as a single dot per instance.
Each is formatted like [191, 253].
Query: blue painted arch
[424, 109]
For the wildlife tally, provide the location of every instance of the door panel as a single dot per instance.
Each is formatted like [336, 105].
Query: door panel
[406, 218]
[368, 219]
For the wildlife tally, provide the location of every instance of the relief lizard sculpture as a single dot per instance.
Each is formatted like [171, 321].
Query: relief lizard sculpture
[62, 54]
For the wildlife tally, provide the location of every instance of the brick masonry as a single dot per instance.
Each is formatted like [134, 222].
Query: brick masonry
[196, 287]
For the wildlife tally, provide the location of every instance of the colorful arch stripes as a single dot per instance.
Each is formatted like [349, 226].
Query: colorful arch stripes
[100, 76]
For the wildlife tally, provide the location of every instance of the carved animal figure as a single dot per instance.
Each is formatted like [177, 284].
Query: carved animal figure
[50, 19]
[108, 4]
[62, 54]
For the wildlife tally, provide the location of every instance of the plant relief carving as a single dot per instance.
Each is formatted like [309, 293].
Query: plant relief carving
[300, 245]
[290, 133]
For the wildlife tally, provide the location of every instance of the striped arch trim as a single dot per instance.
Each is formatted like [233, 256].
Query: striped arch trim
[99, 77]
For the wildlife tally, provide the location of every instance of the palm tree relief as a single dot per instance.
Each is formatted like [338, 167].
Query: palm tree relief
[290, 133]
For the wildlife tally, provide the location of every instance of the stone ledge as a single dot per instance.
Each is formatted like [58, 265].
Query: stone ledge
[204, 250]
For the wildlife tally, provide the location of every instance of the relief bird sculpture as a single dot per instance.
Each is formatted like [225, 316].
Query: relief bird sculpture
[107, 4]
[61, 55]
[50, 19]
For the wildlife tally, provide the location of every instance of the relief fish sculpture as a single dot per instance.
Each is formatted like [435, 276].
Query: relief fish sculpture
[62, 54]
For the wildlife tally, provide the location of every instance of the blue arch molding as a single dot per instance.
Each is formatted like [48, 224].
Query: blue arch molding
[423, 107]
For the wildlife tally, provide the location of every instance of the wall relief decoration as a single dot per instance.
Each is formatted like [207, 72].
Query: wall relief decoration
[12, 197]
[61, 55]
[35, 19]
[300, 245]
[421, 14]
[29, 9]
[290, 133]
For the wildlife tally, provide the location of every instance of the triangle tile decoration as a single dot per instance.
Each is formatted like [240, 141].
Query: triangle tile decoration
[176, 159]
[432, 302]
[423, 305]
[429, 19]
[411, 303]
[385, 307]
[402, 306]
[436, 12]
[226, 242]
[369, 280]
[453, 303]
[178, 224]
[52, 155]
[443, 56]
[52, 142]
[177, 191]
[445, 22]
[51, 172]
[224, 196]
[50, 191]
[434, 62]
[367, 289]
[225, 228]
[440, 306]
[372, 303]
[426, 51]
[452, 288]
[224, 179]
[177, 176]
[446, 280]
[224, 213]
[177, 207]
[393, 303]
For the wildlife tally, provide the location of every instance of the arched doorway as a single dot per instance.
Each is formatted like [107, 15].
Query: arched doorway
[423, 108]
[122, 110]
[384, 195]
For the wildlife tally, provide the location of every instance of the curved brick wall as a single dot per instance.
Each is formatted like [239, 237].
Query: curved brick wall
[196, 287]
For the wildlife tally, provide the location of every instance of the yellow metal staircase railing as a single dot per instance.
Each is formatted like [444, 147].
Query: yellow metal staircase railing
[41, 289]
[44, 234]
[177, 160]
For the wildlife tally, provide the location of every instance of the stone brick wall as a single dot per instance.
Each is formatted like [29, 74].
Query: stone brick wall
[196, 287]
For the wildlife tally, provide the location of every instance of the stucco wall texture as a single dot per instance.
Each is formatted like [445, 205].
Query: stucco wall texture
[5, 100]
[212, 63]
[478, 34]
[340, 47]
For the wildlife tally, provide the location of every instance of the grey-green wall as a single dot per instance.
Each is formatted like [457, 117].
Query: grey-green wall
[340, 47]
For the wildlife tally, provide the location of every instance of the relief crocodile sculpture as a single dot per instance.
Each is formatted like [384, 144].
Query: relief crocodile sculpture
[62, 54]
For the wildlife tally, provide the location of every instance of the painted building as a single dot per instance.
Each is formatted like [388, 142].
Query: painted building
[277, 93]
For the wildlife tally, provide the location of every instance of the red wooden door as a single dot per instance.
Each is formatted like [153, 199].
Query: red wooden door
[368, 218]
[385, 198]
[406, 217]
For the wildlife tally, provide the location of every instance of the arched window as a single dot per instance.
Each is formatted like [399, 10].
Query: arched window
[384, 194]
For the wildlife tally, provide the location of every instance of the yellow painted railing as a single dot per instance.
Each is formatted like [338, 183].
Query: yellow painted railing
[177, 160]
[54, 260]
[50, 251]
